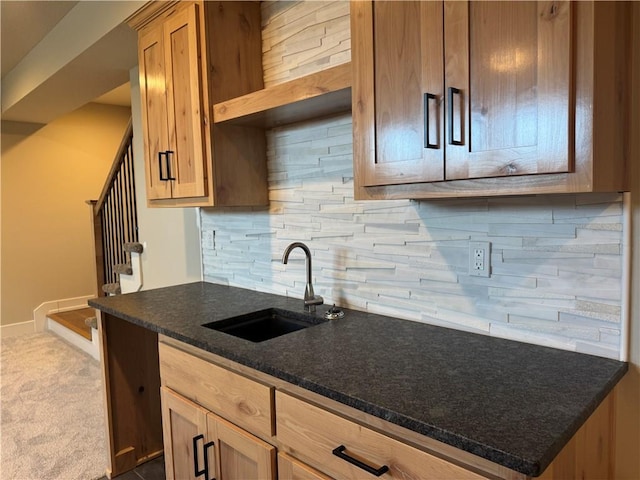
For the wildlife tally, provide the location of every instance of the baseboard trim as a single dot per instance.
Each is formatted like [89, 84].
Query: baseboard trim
[56, 306]
[15, 329]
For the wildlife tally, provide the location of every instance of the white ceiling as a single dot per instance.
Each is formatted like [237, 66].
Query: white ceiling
[35, 35]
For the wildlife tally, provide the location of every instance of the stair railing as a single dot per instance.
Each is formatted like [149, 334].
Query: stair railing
[114, 214]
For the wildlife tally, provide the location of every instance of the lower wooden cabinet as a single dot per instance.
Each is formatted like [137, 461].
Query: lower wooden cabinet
[200, 444]
[223, 421]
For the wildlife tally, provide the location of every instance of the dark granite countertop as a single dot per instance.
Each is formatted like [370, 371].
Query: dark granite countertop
[509, 402]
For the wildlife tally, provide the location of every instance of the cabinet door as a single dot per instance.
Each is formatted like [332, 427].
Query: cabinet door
[184, 112]
[398, 92]
[154, 111]
[240, 455]
[184, 426]
[508, 77]
[291, 469]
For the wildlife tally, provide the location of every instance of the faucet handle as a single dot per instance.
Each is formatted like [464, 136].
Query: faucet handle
[315, 300]
[310, 303]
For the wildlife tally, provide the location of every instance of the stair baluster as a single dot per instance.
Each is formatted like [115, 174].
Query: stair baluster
[115, 218]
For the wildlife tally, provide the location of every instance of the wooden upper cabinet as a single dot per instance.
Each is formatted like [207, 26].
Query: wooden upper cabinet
[172, 107]
[507, 88]
[193, 54]
[469, 90]
[476, 98]
[204, 105]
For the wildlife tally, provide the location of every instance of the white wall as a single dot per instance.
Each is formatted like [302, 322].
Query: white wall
[170, 235]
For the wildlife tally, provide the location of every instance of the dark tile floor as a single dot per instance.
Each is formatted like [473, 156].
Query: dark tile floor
[153, 470]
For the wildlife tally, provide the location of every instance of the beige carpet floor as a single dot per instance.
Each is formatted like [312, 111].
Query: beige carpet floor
[51, 411]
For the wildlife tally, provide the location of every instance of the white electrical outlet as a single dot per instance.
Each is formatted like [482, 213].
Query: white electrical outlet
[209, 239]
[480, 259]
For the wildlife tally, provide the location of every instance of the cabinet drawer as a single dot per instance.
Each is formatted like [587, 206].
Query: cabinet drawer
[245, 402]
[291, 469]
[312, 434]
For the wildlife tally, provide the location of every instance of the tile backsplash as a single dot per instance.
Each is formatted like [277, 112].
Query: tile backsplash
[299, 38]
[556, 260]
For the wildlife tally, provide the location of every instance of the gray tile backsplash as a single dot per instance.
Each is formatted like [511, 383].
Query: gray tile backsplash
[556, 260]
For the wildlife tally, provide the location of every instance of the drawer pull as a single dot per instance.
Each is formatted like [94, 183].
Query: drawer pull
[339, 452]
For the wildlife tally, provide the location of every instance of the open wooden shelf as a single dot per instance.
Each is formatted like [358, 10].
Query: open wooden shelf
[319, 94]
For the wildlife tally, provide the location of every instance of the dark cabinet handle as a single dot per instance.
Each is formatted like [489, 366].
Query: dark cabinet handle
[427, 144]
[454, 91]
[207, 446]
[339, 452]
[160, 167]
[169, 176]
[166, 167]
[197, 471]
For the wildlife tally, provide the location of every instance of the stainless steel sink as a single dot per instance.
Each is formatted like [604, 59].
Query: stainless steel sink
[265, 324]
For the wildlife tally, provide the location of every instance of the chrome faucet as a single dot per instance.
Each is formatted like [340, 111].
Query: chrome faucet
[310, 299]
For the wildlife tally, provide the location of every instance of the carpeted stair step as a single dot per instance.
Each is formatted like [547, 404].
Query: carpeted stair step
[135, 247]
[123, 268]
[111, 288]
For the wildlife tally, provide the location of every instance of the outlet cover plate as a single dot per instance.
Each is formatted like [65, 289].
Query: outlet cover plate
[209, 239]
[480, 259]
